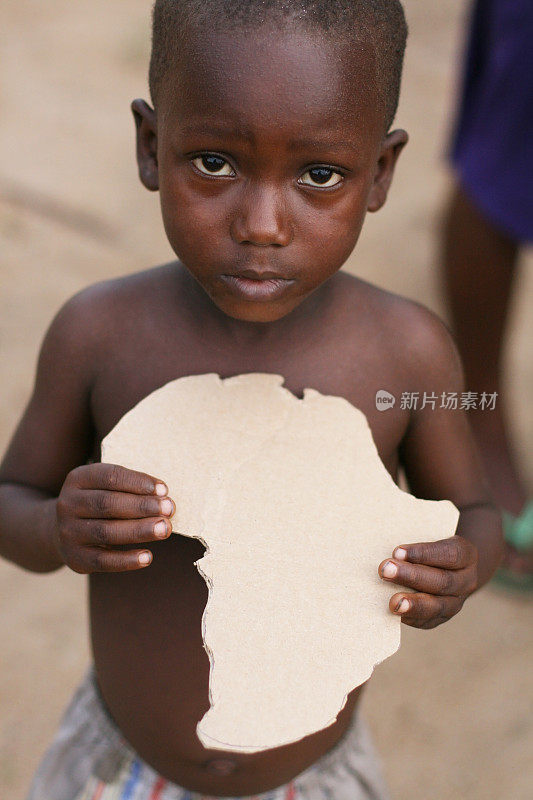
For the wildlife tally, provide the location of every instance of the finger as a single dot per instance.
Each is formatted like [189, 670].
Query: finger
[113, 477]
[424, 610]
[96, 559]
[104, 533]
[98, 504]
[422, 578]
[453, 553]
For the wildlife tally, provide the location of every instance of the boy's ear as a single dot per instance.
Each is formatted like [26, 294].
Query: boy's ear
[391, 148]
[146, 126]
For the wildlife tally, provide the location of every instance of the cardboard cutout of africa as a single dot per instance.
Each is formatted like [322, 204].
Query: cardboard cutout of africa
[296, 511]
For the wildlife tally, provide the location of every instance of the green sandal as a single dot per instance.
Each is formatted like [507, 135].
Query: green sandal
[518, 532]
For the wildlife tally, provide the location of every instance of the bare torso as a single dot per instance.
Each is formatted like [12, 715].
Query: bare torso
[146, 625]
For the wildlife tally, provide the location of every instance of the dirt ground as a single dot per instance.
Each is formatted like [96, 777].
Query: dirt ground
[451, 712]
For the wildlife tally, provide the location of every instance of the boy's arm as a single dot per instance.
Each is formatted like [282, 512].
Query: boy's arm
[55, 508]
[53, 436]
[441, 461]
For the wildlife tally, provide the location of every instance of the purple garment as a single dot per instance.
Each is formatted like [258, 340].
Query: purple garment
[493, 144]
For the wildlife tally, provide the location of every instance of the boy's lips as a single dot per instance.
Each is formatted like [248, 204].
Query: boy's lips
[257, 285]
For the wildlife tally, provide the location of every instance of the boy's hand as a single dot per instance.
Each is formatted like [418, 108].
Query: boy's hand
[442, 574]
[102, 506]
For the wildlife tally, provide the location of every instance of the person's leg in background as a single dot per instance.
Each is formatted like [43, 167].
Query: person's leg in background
[478, 267]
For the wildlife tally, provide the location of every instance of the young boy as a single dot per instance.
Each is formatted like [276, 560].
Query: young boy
[268, 142]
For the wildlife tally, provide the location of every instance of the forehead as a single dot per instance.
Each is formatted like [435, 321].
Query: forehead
[282, 79]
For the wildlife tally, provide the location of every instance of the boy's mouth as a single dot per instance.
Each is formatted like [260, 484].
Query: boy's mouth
[257, 285]
[258, 275]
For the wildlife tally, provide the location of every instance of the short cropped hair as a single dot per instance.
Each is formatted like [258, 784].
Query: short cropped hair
[380, 22]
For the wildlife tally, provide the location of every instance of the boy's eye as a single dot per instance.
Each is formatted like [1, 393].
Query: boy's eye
[211, 164]
[321, 176]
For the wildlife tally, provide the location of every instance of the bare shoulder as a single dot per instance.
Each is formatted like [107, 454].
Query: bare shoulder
[90, 314]
[140, 287]
[80, 332]
[424, 347]
[417, 339]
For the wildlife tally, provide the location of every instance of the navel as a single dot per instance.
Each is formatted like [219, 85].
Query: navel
[220, 766]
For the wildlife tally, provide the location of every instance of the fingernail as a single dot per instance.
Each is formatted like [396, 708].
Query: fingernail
[390, 570]
[161, 489]
[400, 553]
[145, 558]
[402, 606]
[166, 507]
[160, 528]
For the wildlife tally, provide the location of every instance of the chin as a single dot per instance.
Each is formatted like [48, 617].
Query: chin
[256, 313]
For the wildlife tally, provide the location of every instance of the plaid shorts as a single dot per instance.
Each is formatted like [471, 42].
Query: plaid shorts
[89, 759]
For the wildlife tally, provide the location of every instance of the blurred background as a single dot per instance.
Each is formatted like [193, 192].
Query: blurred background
[452, 711]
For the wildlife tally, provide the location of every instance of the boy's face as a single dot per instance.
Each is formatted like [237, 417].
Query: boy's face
[268, 150]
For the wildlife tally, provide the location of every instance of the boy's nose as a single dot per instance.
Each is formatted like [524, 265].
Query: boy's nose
[262, 218]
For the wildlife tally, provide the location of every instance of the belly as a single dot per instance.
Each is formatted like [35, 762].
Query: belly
[153, 674]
